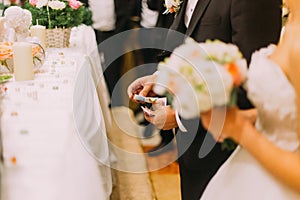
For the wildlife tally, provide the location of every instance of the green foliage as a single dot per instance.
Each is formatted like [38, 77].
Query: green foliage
[65, 18]
[2, 7]
[228, 144]
[87, 17]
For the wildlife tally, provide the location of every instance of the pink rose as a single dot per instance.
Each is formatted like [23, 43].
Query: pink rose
[74, 4]
[33, 2]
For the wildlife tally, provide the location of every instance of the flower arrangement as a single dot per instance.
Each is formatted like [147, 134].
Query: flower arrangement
[199, 76]
[58, 13]
[172, 6]
[6, 55]
[212, 69]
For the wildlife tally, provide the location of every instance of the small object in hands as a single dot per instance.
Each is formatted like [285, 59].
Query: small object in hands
[161, 101]
[147, 111]
[145, 99]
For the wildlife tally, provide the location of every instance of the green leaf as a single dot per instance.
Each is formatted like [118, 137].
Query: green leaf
[5, 77]
[233, 97]
[169, 97]
[228, 144]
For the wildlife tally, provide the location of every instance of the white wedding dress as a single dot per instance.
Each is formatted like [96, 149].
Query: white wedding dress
[241, 177]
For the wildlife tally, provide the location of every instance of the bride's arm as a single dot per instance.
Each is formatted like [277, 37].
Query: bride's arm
[293, 69]
[251, 114]
[293, 73]
[282, 164]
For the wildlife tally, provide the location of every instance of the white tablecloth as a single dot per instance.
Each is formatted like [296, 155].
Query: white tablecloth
[83, 38]
[53, 131]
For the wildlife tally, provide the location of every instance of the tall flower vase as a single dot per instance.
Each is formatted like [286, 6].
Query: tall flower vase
[58, 37]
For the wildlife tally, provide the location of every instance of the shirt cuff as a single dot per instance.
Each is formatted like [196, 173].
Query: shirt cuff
[179, 123]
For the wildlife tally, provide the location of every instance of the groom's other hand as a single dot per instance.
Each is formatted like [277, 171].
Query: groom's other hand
[162, 117]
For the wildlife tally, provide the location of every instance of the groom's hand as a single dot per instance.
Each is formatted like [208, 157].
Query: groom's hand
[142, 86]
[163, 117]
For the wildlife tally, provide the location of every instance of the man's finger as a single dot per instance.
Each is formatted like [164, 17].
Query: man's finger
[147, 112]
[145, 91]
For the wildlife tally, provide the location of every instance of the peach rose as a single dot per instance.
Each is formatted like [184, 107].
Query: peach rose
[5, 50]
[234, 71]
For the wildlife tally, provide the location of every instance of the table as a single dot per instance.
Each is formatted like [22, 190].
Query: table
[53, 129]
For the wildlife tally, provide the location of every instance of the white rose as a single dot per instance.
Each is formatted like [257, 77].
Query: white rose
[204, 101]
[41, 3]
[242, 64]
[221, 89]
[185, 102]
[219, 83]
[177, 61]
[56, 5]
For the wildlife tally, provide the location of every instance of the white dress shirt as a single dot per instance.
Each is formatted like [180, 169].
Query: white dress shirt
[104, 16]
[148, 17]
[191, 4]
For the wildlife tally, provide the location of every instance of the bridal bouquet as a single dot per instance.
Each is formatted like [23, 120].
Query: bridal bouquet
[201, 75]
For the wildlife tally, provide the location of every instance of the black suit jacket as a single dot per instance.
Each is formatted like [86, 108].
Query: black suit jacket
[250, 24]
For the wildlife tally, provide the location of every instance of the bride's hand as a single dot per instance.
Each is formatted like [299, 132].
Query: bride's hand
[224, 122]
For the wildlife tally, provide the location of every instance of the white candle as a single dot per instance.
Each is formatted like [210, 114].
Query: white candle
[23, 61]
[39, 32]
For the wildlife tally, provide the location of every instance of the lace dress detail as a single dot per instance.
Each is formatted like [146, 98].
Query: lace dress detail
[241, 176]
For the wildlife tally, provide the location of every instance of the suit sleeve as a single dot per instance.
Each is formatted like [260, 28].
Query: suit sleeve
[255, 24]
